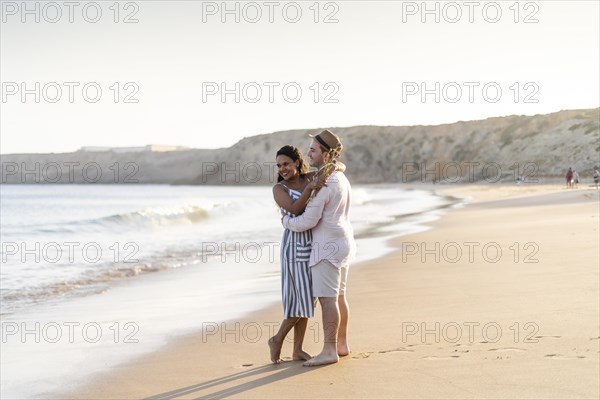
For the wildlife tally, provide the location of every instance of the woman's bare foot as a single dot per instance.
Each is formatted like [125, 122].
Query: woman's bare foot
[322, 359]
[301, 355]
[343, 350]
[275, 349]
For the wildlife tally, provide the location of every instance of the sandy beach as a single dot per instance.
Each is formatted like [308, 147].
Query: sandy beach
[498, 300]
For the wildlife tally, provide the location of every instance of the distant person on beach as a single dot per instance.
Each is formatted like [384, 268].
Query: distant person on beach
[291, 193]
[333, 247]
[575, 179]
[569, 178]
[596, 178]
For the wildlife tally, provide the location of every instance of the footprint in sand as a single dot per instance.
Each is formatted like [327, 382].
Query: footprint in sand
[395, 350]
[461, 345]
[563, 357]
[363, 355]
[508, 349]
[440, 357]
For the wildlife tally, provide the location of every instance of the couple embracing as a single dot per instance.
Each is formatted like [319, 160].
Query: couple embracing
[317, 246]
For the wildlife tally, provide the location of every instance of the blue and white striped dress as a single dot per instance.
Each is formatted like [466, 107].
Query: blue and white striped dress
[296, 281]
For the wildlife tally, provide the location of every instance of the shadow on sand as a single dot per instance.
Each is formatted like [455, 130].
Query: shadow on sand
[220, 387]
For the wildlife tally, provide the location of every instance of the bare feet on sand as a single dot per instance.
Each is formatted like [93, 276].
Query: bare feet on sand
[343, 350]
[322, 359]
[275, 349]
[301, 355]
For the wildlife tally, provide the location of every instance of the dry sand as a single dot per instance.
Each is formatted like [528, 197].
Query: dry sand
[522, 324]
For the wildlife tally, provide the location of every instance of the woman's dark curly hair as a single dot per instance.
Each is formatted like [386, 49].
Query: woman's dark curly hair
[295, 154]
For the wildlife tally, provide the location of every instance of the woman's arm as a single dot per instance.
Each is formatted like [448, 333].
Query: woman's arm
[283, 199]
[297, 207]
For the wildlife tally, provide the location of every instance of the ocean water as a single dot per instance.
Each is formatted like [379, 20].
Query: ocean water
[92, 276]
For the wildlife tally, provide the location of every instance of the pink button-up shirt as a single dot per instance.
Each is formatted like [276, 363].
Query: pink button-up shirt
[327, 214]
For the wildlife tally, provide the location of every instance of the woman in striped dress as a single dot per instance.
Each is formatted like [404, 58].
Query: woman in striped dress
[291, 193]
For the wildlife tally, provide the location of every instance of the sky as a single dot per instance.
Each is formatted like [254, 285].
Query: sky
[206, 74]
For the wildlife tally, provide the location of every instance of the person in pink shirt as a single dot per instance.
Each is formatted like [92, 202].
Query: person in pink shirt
[333, 247]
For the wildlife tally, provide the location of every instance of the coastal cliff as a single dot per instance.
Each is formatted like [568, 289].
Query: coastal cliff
[494, 149]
